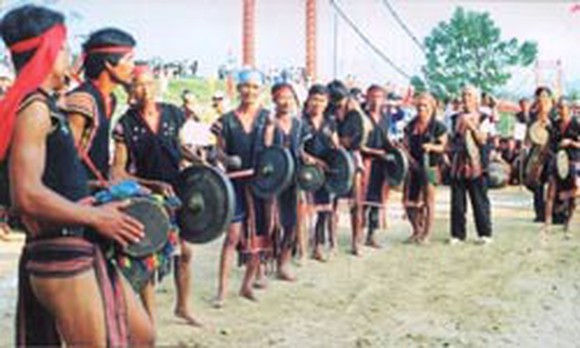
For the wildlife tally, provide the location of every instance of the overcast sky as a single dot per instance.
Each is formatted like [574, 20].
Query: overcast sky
[209, 30]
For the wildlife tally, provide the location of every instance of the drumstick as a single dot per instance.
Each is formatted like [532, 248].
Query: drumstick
[240, 174]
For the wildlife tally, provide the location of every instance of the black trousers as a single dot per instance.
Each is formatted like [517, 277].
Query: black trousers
[539, 202]
[477, 190]
[373, 215]
[322, 226]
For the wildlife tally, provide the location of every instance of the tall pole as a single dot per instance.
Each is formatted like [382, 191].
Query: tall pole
[335, 53]
[249, 58]
[311, 39]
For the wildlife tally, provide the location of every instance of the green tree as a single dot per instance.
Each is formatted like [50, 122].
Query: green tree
[469, 50]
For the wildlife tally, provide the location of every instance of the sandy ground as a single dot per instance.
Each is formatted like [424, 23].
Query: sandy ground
[516, 292]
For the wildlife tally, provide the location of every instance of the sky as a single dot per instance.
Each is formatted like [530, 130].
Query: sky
[210, 31]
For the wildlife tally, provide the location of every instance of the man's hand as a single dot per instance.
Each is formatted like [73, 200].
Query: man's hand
[565, 143]
[428, 147]
[111, 222]
[162, 188]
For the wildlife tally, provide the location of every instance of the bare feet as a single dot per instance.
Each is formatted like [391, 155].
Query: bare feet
[355, 251]
[248, 294]
[284, 275]
[260, 284]
[189, 319]
[317, 255]
[300, 260]
[333, 251]
[218, 302]
[371, 242]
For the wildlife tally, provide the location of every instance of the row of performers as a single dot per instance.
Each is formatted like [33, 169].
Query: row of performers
[76, 288]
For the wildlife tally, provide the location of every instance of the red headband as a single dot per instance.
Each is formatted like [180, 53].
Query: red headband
[29, 78]
[141, 69]
[97, 50]
[110, 49]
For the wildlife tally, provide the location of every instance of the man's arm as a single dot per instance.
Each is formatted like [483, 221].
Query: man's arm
[34, 200]
[77, 123]
[119, 171]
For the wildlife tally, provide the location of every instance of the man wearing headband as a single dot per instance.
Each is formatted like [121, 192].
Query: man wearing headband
[67, 291]
[245, 132]
[148, 149]
[290, 133]
[108, 63]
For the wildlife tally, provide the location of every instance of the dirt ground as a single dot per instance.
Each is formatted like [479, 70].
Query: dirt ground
[516, 292]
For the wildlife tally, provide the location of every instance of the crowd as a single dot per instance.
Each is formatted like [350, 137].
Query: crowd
[78, 284]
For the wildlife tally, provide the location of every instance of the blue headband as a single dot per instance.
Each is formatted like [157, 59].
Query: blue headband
[249, 76]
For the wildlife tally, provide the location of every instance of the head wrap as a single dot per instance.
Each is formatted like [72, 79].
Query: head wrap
[46, 47]
[142, 69]
[250, 76]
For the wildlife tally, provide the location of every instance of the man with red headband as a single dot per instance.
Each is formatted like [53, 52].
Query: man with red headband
[148, 148]
[67, 293]
[108, 63]
[290, 133]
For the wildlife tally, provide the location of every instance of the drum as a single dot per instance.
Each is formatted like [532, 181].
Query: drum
[498, 174]
[534, 166]
[396, 166]
[140, 261]
[562, 164]
[538, 134]
[208, 204]
[273, 173]
[310, 177]
[340, 173]
[156, 221]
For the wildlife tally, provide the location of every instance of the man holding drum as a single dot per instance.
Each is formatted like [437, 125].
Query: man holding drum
[148, 149]
[350, 125]
[321, 139]
[290, 133]
[68, 293]
[373, 153]
[245, 132]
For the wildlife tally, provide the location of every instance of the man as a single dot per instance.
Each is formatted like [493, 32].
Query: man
[350, 128]
[189, 105]
[320, 139]
[372, 151]
[245, 132]
[147, 142]
[289, 134]
[218, 103]
[396, 115]
[108, 63]
[68, 294]
[469, 169]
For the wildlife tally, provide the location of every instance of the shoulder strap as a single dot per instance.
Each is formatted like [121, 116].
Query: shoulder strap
[258, 141]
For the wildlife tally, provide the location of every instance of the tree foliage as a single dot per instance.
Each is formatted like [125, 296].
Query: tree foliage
[468, 49]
